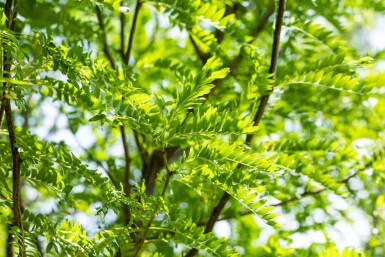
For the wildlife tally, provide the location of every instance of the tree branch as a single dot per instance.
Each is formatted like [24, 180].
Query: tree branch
[348, 178]
[127, 55]
[152, 40]
[170, 173]
[273, 66]
[11, 14]
[126, 179]
[125, 58]
[238, 59]
[90, 156]
[9, 243]
[295, 198]
[254, 33]
[142, 153]
[106, 49]
[203, 57]
[16, 163]
[2, 108]
[122, 29]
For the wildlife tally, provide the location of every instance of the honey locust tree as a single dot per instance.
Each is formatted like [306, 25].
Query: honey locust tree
[131, 128]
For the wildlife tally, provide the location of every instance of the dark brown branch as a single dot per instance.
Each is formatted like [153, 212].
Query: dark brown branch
[9, 247]
[304, 194]
[126, 181]
[127, 55]
[11, 14]
[11, 24]
[106, 49]
[213, 219]
[16, 163]
[126, 58]
[152, 38]
[8, 11]
[315, 192]
[248, 212]
[254, 33]
[14, 15]
[295, 198]
[219, 35]
[262, 23]
[202, 56]
[122, 29]
[348, 178]
[170, 173]
[2, 109]
[273, 66]
[142, 153]
[39, 247]
[90, 156]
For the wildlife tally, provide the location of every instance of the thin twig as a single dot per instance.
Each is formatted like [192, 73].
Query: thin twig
[90, 156]
[126, 181]
[39, 247]
[106, 49]
[125, 59]
[273, 66]
[152, 38]
[295, 198]
[142, 153]
[170, 173]
[202, 56]
[254, 33]
[248, 212]
[122, 29]
[127, 55]
[348, 178]
[2, 108]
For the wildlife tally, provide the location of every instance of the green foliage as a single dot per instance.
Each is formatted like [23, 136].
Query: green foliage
[184, 105]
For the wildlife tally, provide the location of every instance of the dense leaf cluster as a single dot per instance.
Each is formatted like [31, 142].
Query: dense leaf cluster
[180, 84]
